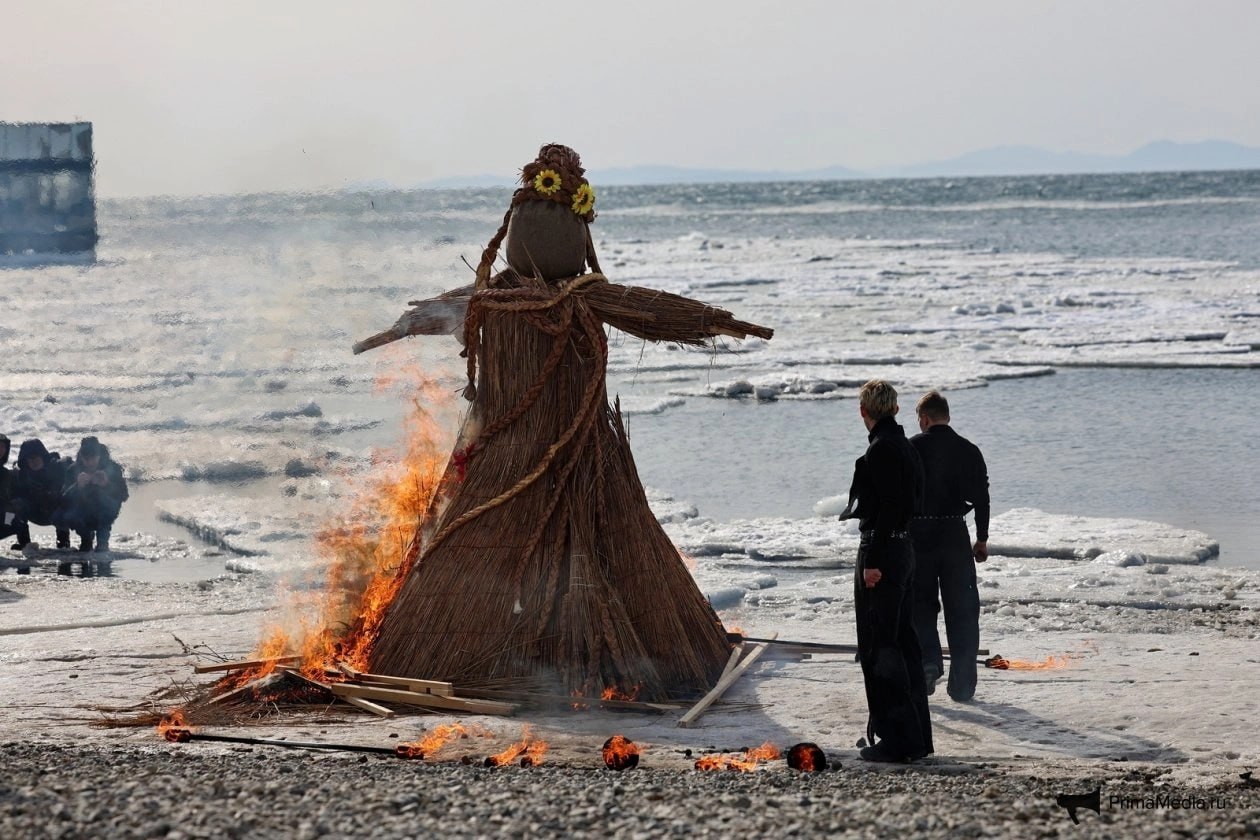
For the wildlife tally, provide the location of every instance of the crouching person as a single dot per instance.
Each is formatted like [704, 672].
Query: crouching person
[38, 482]
[7, 514]
[95, 491]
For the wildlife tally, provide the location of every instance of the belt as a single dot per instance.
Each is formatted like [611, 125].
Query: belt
[946, 516]
[867, 536]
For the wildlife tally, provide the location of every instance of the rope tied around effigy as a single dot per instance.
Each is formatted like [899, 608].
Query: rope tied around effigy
[553, 313]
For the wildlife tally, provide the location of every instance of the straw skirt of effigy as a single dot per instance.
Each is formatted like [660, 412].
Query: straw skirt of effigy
[566, 578]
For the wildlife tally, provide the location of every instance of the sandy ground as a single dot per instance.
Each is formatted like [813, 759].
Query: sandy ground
[1160, 699]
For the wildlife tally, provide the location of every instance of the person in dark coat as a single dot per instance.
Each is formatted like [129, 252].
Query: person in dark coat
[95, 491]
[8, 527]
[887, 490]
[957, 482]
[38, 482]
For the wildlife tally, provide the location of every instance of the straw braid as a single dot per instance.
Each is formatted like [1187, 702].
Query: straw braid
[491, 299]
[590, 404]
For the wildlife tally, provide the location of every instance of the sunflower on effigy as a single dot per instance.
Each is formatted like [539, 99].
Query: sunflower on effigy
[557, 175]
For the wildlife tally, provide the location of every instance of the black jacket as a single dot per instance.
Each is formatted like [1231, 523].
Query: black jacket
[887, 488]
[957, 479]
[6, 478]
[37, 493]
[112, 493]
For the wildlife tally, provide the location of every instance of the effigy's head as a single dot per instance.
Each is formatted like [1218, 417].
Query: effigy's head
[547, 234]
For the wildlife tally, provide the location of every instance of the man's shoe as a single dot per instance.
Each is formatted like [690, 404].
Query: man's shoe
[882, 754]
[962, 697]
[17, 546]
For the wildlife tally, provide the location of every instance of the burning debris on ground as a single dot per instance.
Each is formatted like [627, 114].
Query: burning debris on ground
[620, 753]
[746, 762]
[807, 757]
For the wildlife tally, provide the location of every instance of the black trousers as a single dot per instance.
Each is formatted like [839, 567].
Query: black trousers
[945, 574]
[896, 693]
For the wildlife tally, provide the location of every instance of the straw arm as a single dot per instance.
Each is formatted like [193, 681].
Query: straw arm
[442, 315]
[661, 316]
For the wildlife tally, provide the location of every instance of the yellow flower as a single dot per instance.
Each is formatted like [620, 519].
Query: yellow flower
[547, 181]
[584, 200]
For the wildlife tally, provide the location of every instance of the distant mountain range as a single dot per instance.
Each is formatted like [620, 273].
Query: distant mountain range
[1160, 156]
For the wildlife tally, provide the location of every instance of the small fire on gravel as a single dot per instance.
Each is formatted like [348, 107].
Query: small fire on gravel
[529, 750]
[431, 743]
[174, 727]
[620, 753]
[745, 763]
[806, 757]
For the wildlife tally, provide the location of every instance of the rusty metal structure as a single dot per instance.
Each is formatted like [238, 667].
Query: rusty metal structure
[47, 195]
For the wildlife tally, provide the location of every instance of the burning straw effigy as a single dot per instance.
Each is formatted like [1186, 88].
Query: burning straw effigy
[538, 557]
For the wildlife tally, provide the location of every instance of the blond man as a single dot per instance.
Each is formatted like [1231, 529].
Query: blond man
[886, 491]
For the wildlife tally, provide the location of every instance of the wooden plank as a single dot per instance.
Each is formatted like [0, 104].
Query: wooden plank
[723, 684]
[429, 701]
[368, 706]
[736, 653]
[568, 700]
[419, 686]
[245, 664]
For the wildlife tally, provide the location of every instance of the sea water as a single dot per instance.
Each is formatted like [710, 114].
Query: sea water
[1096, 336]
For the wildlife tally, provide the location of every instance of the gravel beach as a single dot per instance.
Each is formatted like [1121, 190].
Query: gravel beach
[182, 791]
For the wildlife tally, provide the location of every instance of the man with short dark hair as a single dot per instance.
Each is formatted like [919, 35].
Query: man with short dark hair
[95, 491]
[957, 482]
[886, 492]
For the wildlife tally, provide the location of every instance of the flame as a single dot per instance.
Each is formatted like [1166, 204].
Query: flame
[620, 753]
[1053, 662]
[431, 743]
[745, 763]
[370, 550]
[531, 748]
[174, 726]
[1050, 663]
[806, 757]
[613, 692]
[534, 754]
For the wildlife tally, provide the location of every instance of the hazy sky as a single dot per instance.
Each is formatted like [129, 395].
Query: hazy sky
[225, 96]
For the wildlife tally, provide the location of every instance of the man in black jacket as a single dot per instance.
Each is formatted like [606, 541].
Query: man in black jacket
[957, 481]
[886, 492]
[7, 514]
[38, 482]
[95, 491]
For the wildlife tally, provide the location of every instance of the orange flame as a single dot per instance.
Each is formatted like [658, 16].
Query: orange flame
[174, 726]
[431, 743]
[531, 748]
[613, 692]
[806, 757]
[620, 753]
[371, 550]
[1050, 663]
[745, 763]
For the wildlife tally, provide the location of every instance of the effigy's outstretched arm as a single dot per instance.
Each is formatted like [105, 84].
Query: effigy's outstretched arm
[661, 316]
[441, 315]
